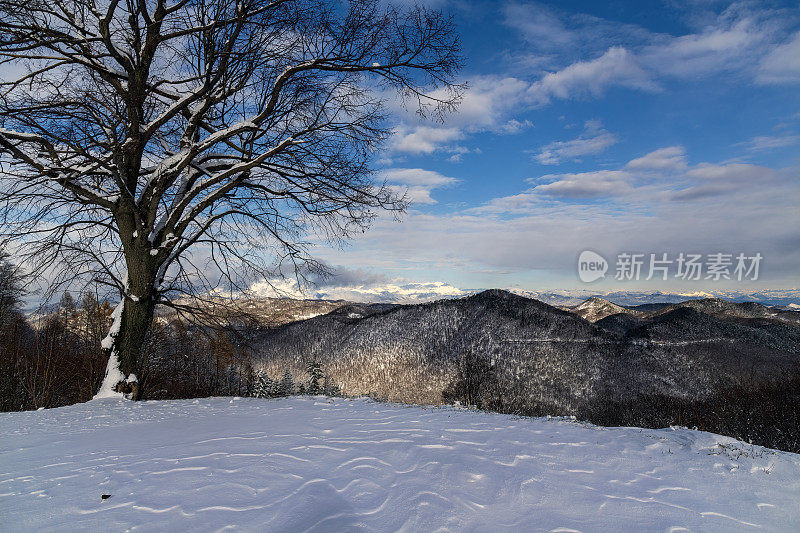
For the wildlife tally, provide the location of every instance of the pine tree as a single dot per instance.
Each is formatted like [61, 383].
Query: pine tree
[286, 387]
[246, 380]
[314, 370]
[255, 388]
[263, 386]
[247, 385]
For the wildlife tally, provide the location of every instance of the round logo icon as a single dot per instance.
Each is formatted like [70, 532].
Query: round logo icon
[591, 266]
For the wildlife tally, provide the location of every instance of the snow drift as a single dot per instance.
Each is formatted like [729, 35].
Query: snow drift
[317, 464]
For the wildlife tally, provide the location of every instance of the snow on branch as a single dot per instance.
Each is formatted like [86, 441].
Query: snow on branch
[142, 133]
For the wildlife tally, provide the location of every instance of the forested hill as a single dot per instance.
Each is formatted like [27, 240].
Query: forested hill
[508, 350]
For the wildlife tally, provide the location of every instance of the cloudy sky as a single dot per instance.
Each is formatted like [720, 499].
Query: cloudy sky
[622, 126]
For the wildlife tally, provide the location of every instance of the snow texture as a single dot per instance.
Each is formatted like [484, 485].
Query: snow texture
[317, 464]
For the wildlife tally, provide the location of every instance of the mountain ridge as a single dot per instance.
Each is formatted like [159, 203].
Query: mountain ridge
[543, 357]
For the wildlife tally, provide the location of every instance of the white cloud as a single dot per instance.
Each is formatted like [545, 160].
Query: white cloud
[616, 67]
[586, 184]
[781, 65]
[741, 39]
[277, 288]
[423, 139]
[763, 143]
[594, 140]
[539, 25]
[661, 175]
[515, 238]
[715, 180]
[670, 158]
[514, 126]
[551, 31]
[488, 105]
[704, 53]
[417, 176]
[396, 290]
[489, 102]
[732, 172]
[416, 183]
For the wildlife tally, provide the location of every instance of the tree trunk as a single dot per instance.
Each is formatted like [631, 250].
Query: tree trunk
[136, 320]
[137, 317]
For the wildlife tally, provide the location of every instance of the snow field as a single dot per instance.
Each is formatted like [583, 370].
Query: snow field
[317, 464]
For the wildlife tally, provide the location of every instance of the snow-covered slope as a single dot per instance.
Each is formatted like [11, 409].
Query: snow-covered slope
[546, 360]
[315, 464]
[596, 308]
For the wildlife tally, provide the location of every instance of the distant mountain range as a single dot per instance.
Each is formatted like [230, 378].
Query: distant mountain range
[250, 311]
[539, 355]
[780, 297]
[407, 292]
[595, 309]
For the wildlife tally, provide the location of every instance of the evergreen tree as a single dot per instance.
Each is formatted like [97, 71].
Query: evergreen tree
[254, 388]
[11, 288]
[262, 386]
[314, 370]
[286, 386]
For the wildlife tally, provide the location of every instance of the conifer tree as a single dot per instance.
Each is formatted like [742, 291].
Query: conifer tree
[286, 387]
[263, 386]
[314, 370]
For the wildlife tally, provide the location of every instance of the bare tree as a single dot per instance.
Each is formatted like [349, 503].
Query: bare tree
[167, 148]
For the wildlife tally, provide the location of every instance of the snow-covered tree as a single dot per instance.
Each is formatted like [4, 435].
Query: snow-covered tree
[286, 385]
[315, 376]
[166, 147]
[263, 386]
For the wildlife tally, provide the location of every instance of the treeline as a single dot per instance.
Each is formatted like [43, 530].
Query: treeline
[56, 359]
[765, 413]
[53, 360]
[263, 386]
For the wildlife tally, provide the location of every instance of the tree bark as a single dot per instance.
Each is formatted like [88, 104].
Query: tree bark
[136, 320]
[137, 314]
[155, 161]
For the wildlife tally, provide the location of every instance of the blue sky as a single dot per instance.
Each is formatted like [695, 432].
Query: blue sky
[620, 126]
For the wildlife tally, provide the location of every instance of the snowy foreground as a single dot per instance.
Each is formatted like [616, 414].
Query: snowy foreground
[317, 464]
